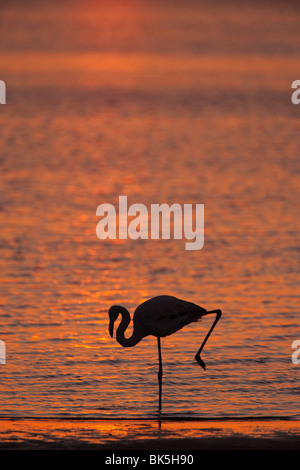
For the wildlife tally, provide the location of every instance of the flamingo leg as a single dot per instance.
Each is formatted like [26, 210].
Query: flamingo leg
[197, 357]
[160, 373]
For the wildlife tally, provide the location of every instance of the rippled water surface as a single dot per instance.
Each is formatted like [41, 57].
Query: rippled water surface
[162, 102]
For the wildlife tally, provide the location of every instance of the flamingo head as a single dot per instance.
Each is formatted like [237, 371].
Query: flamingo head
[113, 314]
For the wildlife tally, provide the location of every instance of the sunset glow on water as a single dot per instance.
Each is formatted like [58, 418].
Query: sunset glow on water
[163, 105]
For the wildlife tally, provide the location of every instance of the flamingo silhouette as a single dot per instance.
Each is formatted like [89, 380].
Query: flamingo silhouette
[160, 316]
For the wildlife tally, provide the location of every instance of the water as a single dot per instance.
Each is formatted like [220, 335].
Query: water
[163, 104]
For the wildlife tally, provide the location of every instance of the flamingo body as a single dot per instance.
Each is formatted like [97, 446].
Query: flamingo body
[164, 315]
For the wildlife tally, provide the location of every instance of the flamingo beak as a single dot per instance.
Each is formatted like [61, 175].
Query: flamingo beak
[111, 328]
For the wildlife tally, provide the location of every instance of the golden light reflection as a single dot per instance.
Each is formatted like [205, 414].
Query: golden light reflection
[110, 432]
[161, 125]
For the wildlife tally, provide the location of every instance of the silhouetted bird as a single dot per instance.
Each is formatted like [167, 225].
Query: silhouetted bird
[160, 316]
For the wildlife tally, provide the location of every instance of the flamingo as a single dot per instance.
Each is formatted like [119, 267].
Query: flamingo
[160, 316]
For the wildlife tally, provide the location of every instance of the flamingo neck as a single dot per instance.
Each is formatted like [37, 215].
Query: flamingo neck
[134, 338]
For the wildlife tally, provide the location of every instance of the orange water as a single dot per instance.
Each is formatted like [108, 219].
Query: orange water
[170, 434]
[162, 104]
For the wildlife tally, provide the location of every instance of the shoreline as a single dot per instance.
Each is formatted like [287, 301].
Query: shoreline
[175, 434]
